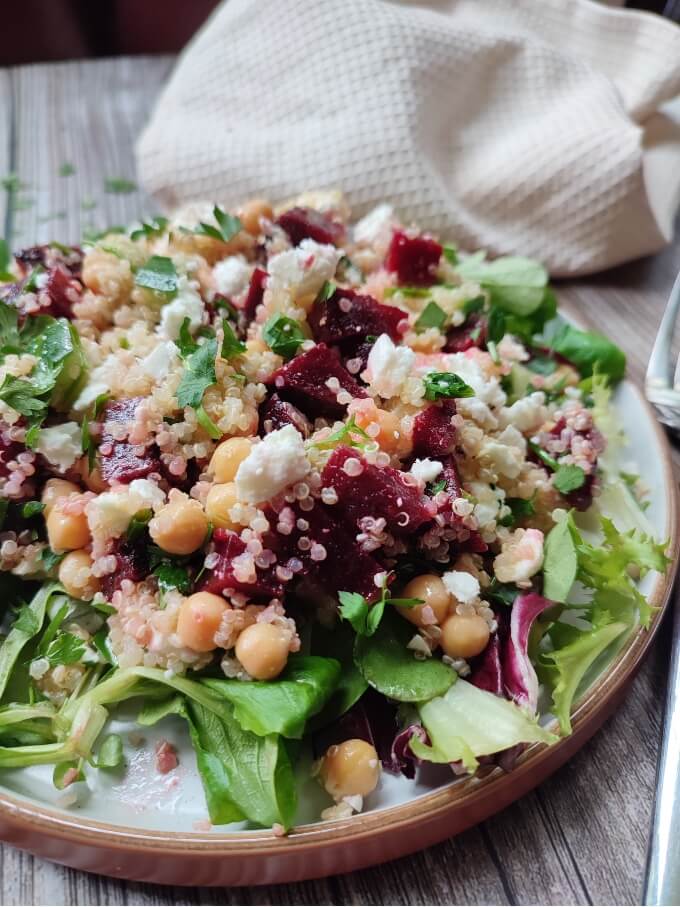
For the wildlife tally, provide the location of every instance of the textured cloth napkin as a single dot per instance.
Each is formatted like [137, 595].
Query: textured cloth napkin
[533, 127]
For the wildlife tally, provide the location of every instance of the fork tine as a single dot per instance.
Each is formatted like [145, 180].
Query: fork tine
[659, 370]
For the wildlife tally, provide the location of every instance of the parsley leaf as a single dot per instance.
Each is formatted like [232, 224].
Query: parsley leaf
[345, 435]
[231, 345]
[22, 396]
[87, 440]
[283, 335]
[496, 326]
[5, 262]
[10, 341]
[155, 227]
[445, 384]
[435, 487]
[364, 617]
[207, 424]
[450, 253]
[185, 343]
[227, 226]
[50, 558]
[172, 576]
[198, 376]
[119, 186]
[568, 478]
[26, 621]
[158, 274]
[31, 508]
[67, 169]
[138, 523]
[520, 509]
[65, 649]
[326, 291]
[432, 316]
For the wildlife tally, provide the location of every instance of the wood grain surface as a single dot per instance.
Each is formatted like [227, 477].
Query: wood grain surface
[581, 837]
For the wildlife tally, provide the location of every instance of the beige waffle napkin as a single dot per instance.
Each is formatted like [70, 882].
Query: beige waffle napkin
[523, 126]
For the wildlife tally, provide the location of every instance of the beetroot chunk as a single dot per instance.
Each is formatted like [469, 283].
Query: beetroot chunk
[132, 562]
[347, 316]
[343, 564]
[376, 492]
[433, 431]
[48, 256]
[303, 381]
[262, 585]
[63, 291]
[258, 281]
[306, 223]
[472, 333]
[121, 461]
[414, 259]
[275, 413]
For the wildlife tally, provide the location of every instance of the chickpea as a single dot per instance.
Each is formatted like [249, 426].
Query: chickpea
[464, 635]
[252, 213]
[350, 769]
[67, 531]
[75, 575]
[180, 526]
[54, 490]
[199, 619]
[262, 649]
[220, 500]
[430, 588]
[228, 457]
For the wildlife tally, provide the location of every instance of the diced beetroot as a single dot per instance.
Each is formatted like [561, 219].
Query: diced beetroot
[122, 461]
[49, 257]
[275, 413]
[344, 566]
[9, 450]
[303, 381]
[166, 757]
[258, 281]
[357, 355]
[63, 291]
[347, 316]
[228, 546]
[433, 432]
[414, 259]
[450, 476]
[376, 492]
[306, 223]
[468, 335]
[132, 562]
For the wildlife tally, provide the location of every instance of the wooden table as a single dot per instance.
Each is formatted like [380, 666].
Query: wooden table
[581, 837]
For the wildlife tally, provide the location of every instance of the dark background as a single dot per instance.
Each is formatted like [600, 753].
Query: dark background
[45, 30]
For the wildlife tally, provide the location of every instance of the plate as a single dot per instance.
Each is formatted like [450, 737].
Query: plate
[148, 827]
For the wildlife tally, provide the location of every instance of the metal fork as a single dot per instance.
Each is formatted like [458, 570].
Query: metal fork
[662, 882]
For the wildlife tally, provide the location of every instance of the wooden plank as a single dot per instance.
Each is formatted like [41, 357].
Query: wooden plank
[581, 837]
[83, 116]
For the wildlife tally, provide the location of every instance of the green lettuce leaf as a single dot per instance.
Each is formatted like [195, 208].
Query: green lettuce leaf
[468, 722]
[515, 284]
[28, 625]
[589, 352]
[560, 562]
[284, 705]
[393, 670]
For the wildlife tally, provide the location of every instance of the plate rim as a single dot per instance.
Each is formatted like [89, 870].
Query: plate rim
[25, 818]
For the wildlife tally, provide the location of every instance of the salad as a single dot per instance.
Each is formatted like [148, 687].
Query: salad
[333, 494]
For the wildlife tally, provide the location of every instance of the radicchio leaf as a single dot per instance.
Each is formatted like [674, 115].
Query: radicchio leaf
[488, 673]
[402, 759]
[519, 676]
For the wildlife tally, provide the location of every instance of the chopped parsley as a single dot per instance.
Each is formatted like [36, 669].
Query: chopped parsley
[158, 274]
[445, 384]
[283, 335]
[138, 523]
[5, 262]
[198, 376]
[345, 435]
[473, 305]
[117, 185]
[67, 169]
[227, 226]
[172, 576]
[65, 649]
[51, 559]
[326, 291]
[520, 509]
[435, 487]
[450, 253]
[26, 621]
[185, 343]
[87, 440]
[495, 330]
[568, 479]
[231, 345]
[432, 316]
[24, 396]
[149, 229]
[31, 509]
[364, 617]
[207, 424]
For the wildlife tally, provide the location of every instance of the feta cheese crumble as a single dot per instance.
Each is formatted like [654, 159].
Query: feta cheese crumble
[426, 470]
[388, 367]
[303, 271]
[187, 304]
[463, 586]
[60, 444]
[232, 275]
[276, 462]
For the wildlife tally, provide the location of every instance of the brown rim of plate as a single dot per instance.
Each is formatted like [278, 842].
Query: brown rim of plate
[28, 817]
